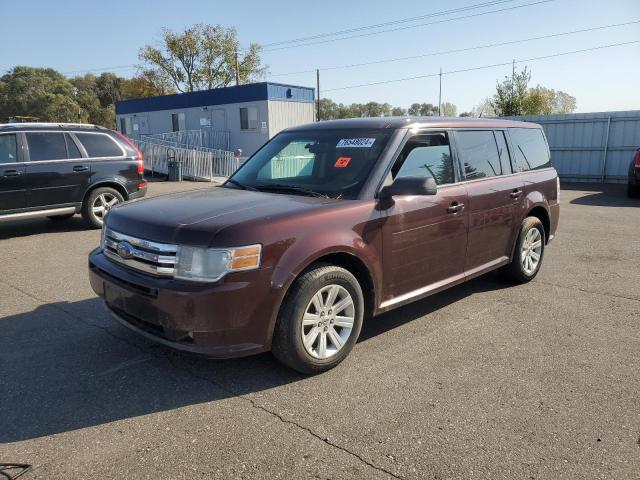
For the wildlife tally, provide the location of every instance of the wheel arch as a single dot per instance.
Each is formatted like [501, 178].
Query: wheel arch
[341, 258]
[106, 183]
[542, 214]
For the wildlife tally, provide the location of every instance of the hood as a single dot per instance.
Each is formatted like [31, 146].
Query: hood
[195, 217]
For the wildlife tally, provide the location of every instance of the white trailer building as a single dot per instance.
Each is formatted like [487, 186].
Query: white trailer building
[246, 116]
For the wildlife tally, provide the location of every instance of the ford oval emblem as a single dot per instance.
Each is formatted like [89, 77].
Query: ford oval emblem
[124, 250]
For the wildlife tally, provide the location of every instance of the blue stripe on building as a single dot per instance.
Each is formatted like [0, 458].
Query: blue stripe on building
[218, 96]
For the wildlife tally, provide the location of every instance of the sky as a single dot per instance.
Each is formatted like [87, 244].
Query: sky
[77, 36]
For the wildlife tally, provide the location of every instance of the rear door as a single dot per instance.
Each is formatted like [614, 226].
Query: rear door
[56, 172]
[495, 197]
[425, 237]
[108, 160]
[12, 192]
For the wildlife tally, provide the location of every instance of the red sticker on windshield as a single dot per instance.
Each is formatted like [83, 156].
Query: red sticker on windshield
[342, 162]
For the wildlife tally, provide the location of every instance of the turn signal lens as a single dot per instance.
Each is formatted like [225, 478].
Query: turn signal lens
[246, 258]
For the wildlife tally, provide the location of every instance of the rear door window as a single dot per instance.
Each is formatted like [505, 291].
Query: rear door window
[99, 145]
[530, 149]
[8, 148]
[478, 153]
[46, 146]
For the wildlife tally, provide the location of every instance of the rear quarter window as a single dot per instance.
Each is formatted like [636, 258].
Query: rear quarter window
[530, 149]
[99, 145]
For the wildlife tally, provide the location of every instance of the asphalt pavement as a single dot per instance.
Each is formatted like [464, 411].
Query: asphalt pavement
[485, 380]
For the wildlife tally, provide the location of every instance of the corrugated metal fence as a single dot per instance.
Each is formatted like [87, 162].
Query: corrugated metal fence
[203, 164]
[591, 147]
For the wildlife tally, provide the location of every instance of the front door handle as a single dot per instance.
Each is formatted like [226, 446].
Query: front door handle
[11, 173]
[455, 207]
[516, 193]
[80, 168]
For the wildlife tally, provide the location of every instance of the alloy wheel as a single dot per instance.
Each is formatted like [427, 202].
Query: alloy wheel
[102, 204]
[531, 251]
[328, 321]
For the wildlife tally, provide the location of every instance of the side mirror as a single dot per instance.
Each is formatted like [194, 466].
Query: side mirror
[413, 186]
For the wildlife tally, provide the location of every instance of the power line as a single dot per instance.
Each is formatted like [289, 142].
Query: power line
[458, 50]
[393, 22]
[406, 27]
[404, 79]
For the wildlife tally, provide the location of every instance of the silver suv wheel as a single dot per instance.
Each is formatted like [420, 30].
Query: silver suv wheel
[328, 321]
[531, 251]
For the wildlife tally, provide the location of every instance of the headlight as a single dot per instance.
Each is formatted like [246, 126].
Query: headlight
[211, 264]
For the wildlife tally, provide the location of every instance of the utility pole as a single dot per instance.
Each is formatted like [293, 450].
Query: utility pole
[318, 90]
[440, 94]
[513, 82]
[237, 70]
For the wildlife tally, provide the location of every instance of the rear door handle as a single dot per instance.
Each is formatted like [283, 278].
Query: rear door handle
[516, 193]
[80, 168]
[455, 207]
[11, 173]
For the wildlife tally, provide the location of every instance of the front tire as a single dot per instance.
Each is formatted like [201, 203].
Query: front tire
[98, 203]
[320, 320]
[527, 256]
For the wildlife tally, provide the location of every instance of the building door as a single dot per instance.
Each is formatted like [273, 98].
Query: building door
[219, 119]
[141, 125]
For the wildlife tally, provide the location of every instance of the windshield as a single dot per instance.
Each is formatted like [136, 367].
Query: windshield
[332, 163]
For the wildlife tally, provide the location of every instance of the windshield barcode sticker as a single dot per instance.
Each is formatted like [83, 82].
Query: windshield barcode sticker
[356, 143]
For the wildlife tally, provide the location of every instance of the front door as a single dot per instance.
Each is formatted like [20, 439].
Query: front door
[12, 192]
[495, 197]
[424, 237]
[56, 173]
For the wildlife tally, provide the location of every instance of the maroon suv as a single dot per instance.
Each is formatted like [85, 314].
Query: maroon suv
[327, 225]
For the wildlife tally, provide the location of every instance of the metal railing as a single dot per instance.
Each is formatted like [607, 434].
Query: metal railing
[196, 164]
[203, 138]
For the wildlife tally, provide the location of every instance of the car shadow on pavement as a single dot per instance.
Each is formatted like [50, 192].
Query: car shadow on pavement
[68, 365]
[601, 195]
[37, 226]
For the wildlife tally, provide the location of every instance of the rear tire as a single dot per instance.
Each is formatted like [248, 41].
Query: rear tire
[528, 253]
[320, 320]
[97, 204]
[59, 218]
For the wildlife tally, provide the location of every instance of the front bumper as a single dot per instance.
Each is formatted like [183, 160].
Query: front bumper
[230, 318]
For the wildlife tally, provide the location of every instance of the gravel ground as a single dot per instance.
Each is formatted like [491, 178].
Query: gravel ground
[485, 380]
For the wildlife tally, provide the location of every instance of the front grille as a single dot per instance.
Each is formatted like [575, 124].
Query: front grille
[158, 259]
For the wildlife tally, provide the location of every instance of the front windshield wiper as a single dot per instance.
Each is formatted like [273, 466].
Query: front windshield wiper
[241, 185]
[291, 188]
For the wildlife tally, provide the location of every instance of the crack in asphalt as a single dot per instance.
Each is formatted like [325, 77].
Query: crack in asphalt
[584, 290]
[192, 374]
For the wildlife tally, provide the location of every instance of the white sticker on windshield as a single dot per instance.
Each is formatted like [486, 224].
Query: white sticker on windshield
[356, 143]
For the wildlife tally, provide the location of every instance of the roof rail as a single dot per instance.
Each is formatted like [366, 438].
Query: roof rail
[51, 124]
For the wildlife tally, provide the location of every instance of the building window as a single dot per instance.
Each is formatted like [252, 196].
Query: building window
[248, 118]
[178, 122]
[123, 126]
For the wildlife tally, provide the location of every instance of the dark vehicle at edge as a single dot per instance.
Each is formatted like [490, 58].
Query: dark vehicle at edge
[633, 185]
[57, 170]
[325, 226]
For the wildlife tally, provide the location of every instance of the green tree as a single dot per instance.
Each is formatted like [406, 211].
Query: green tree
[398, 112]
[146, 84]
[449, 109]
[202, 57]
[423, 109]
[511, 94]
[546, 101]
[96, 97]
[39, 92]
